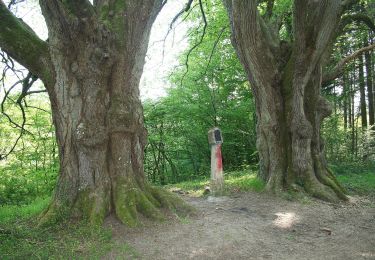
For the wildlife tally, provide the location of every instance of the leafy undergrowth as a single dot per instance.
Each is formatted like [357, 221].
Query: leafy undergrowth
[237, 181]
[21, 238]
[362, 184]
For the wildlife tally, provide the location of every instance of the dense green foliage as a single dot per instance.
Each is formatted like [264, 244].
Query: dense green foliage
[31, 170]
[211, 90]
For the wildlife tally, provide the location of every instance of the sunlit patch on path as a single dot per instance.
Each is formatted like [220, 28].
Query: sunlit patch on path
[285, 219]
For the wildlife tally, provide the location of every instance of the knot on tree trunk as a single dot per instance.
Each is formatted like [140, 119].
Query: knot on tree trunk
[122, 114]
[272, 126]
[324, 107]
[302, 128]
[90, 135]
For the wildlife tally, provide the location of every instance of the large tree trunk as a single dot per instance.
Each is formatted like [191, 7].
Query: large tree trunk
[98, 59]
[286, 81]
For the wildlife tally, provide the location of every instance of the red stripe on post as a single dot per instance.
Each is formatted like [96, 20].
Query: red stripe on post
[219, 157]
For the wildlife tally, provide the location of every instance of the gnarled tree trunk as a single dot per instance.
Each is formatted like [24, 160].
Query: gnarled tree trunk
[286, 80]
[95, 56]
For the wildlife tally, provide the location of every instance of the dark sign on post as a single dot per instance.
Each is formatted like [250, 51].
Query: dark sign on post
[214, 136]
[218, 137]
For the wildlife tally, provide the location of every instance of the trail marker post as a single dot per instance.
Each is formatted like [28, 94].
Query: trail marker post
[215, 140]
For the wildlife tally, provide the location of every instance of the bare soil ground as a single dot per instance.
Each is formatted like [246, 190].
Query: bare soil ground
[256, 226]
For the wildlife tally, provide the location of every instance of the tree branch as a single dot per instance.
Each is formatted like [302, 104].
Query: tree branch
[14, 2]
[187, 8]
[199, 42]
[213, 49]
[347, 19]
[183, 10]
[22, 44]
[26, 85]
[339, 68]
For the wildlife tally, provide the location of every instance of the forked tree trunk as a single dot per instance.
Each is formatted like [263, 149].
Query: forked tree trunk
[98, 57]
[286, 81]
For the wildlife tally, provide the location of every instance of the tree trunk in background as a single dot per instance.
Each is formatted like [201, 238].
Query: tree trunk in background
[362, 91]
[98, 60]
[370, 89]
[350, 91]
[286, 81]
[352, 87]
[334, 100]
[345, 94]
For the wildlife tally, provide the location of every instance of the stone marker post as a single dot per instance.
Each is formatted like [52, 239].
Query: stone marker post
[215, 140]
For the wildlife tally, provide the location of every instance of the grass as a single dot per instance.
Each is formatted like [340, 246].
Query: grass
[356, 177]
[21, 238]
[13, 212]
[240, 181]
[237, 181]
[362, 184]
[348, 168]
[243, 181]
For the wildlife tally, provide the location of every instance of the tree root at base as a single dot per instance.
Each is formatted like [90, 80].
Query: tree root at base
[129, 205]
[321, 184]
[151, 203]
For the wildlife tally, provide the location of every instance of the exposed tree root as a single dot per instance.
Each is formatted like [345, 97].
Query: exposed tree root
[55, 212]
[319, 190]
[150, 202]
[317, 181]
[130, 204]
[326, 177]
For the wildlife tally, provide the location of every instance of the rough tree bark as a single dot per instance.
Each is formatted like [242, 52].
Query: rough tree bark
[91, 67]
[286, 80]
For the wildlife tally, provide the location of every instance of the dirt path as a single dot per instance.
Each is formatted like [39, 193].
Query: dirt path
[256, 226]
